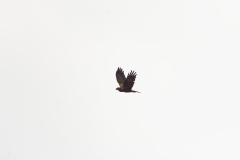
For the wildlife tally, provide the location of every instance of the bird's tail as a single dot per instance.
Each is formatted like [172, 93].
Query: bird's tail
[136, 92]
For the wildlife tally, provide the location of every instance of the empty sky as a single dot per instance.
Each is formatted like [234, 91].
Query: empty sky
[57, 80]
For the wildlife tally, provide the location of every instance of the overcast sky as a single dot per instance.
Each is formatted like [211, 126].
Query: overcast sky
[58, 61]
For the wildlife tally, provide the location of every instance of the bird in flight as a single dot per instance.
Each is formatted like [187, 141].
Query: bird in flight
[125, 84]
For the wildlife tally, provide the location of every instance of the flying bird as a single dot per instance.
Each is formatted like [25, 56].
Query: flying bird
[125, 84]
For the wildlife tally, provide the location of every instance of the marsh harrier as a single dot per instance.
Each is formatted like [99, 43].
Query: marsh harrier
[125, 84]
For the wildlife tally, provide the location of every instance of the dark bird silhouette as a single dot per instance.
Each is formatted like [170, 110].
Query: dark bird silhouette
[125, 84]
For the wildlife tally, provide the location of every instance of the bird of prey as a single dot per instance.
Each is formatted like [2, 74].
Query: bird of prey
[125, 84]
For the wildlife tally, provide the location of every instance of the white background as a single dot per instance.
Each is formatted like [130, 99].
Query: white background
[57, 80]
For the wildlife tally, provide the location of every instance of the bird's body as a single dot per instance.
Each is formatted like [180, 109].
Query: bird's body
[125, 84]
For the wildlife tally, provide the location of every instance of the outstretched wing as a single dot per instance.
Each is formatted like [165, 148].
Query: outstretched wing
[130, 80]
[120, 77]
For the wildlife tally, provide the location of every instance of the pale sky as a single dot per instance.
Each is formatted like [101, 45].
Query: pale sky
[58, 61]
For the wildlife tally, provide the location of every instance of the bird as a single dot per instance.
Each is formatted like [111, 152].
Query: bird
[125, 84]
